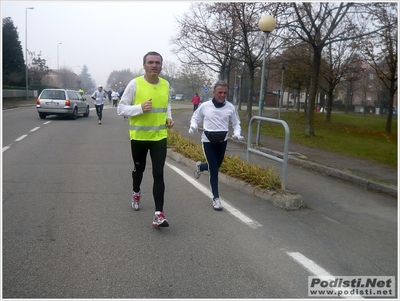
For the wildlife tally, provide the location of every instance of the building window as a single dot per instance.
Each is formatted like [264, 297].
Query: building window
[371, 76]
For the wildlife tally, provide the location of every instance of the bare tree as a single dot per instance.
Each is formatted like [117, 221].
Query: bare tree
[221, 35]
[338, 61]
[298, 71]
[380, 50]
[351, 79]
[191, 79]
[321, 24]
[206, 37]
[249, 41]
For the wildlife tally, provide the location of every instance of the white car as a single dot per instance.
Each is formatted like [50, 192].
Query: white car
[61, 102]
[180, 97]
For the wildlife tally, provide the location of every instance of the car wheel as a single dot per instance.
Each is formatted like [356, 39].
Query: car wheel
[74, 114]
[87, 112]
[42, 115]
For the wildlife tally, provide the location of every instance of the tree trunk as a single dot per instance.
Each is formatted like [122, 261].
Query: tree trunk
[389, 118]
[329, 109]
[309, 131]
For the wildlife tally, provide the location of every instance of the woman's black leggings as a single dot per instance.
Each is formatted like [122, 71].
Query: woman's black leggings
[99, 111]
[214, 153]
[158, 154]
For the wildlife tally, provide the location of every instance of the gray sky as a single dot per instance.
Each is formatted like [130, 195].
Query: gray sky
[103, 35]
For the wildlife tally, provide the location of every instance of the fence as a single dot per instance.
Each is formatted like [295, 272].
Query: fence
[7, 93]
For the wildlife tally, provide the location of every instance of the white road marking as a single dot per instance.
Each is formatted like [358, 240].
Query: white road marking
[242, 217]
[22, 137]
[317, 270]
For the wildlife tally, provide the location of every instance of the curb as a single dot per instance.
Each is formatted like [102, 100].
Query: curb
[284, 199]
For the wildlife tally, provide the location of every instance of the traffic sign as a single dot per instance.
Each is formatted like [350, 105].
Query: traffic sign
[236, 87]
[278, 92]
[205, 89]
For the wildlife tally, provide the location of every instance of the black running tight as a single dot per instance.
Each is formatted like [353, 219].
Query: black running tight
[158, 154]
[214, 153]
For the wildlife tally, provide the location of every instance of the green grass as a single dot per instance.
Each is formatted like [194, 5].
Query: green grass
[350, 134]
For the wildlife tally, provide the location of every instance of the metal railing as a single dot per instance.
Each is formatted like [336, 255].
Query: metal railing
[284, 161]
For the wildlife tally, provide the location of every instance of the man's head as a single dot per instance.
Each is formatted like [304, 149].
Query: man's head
[100, 88]
[220, 91]
[151, 53]
[152, 64]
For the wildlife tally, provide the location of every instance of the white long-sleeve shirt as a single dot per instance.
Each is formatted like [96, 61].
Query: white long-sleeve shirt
[125, 107]
[99, 97]
[115, 95]
[216, 119]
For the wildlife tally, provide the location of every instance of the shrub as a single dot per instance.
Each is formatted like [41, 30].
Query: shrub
[232, 165]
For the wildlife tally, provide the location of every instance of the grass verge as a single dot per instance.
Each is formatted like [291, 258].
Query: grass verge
[351, 134]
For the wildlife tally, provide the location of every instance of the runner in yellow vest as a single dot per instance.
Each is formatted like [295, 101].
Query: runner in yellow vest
[146, 102]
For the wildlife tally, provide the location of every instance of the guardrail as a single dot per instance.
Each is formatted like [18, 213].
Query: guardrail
[250, 149]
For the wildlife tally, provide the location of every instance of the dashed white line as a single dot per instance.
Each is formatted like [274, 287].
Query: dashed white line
[22, 137]
[317, 270]
[308, 264]
[242, 217]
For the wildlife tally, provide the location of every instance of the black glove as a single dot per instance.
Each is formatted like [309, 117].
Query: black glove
[93, 98]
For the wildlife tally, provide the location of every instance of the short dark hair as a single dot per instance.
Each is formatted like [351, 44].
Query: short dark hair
[151, 53]
[220, 83]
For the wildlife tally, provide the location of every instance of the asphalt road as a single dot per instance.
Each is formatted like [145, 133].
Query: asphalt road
[69, 231]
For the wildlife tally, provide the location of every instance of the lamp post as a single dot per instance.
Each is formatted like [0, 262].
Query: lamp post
[266, 24]
[283, 66]
[58, 66]
[26, 49]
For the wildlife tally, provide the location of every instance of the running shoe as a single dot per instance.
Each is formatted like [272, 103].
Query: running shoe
[136, 201]
[217, 204]
[159, 220]
[197, 172]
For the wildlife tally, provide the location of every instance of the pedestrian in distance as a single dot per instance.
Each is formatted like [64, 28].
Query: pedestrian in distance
[98, 97]
[115, 97]
[120, 96]
[216, 115]
[146, 103]
[195, 101]
[109, 92]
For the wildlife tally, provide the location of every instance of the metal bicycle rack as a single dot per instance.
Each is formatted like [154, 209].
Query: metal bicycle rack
[284, 161]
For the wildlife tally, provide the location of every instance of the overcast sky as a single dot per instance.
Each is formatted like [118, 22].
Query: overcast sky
[103, 35]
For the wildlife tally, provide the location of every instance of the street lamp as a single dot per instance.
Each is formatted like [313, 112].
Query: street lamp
[266, 24]
[58, 67]
[26, 49]
[283, 66]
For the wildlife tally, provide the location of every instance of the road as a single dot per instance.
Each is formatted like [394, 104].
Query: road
[69, 231]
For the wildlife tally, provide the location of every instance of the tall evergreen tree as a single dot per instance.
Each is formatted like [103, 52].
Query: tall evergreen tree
[87, 83]
[13, 58]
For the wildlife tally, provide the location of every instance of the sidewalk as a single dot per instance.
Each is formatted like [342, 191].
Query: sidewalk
[365, 173]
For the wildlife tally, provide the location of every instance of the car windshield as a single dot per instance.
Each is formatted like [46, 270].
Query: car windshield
[53, 94]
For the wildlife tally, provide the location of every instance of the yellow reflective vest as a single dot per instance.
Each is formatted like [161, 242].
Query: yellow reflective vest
[150, 126]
